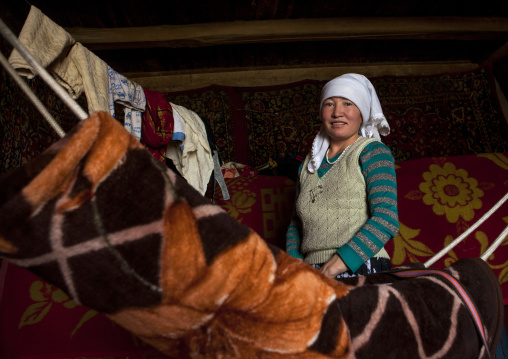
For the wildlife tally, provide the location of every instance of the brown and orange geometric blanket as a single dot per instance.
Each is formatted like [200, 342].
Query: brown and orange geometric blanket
[97, 216]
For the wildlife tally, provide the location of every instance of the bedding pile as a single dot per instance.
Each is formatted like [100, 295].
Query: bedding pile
[162, 261]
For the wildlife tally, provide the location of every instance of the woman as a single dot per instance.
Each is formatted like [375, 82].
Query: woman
[346, 201]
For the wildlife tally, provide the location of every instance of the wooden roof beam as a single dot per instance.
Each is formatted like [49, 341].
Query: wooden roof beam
[288, 30]
[272, 76]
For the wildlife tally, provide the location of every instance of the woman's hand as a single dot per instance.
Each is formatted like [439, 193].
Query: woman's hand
[334, 266]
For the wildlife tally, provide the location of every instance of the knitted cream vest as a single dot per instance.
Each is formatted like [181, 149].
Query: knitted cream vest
[334, 207]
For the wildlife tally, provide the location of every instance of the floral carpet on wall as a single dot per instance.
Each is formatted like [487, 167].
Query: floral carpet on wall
[24, 133]
[439, 115]
[439, 198]
[442, 115]
[442, 197]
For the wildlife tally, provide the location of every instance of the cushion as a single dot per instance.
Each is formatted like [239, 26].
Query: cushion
[264, 203]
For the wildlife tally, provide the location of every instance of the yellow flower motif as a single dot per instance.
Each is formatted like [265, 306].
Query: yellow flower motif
[451, 191]
[405, 244]
[44, 295]
[241, 202]
[498, 158]
[453, 257]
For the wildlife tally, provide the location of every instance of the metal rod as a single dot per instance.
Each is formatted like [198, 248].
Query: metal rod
[31, 96]
[495, 244]
[456, 241]
[41, 71]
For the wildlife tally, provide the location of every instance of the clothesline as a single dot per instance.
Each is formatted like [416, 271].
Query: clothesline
[74, 69]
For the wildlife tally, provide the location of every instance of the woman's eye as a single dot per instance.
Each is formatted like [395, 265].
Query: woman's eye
[348, 104]
[328, 104]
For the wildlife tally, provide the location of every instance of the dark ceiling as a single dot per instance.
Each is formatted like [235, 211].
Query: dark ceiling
[276, 50]
[129, 13]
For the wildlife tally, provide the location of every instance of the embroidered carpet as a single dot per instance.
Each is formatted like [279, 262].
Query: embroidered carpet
[452, 193]
[430, 116]
[439, 198]
[24, 133]
[443, 115]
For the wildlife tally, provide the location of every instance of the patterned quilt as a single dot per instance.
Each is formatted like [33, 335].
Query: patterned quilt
[178, 272]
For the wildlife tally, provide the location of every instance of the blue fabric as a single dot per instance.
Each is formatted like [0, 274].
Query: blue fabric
[502, 347]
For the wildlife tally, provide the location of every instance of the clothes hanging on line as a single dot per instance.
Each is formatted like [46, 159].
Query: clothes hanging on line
[75, 67]
[131, 96]
[157, 124]
[79, 70]
[179, 127]
[44, 39]
[195, 161]
[175, 134]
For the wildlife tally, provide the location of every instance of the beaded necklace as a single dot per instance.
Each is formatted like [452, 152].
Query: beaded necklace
[342, 155]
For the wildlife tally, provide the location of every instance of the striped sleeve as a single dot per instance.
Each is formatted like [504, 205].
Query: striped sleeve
[378, 168]
[293, 234]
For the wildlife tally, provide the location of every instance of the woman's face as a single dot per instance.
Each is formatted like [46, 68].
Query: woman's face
[341, 118]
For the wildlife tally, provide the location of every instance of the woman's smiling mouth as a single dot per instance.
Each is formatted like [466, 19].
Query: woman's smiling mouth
[338, 124]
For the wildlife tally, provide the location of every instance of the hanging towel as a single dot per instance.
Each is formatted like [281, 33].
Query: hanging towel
[157, 124]
[195, 162]
[131, 96]
[77, 69]
[179, 129]
[45, 40]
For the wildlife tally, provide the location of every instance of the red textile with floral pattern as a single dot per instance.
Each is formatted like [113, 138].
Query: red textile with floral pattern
[441, 197]
[264, 203]
[56, 326]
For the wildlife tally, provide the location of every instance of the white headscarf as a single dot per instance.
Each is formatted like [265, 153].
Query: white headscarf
[358, 89]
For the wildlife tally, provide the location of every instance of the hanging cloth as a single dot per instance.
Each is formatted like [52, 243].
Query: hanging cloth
[131, 96]
[75, 67]
[195, 162]
[179, 127]
[157, 124]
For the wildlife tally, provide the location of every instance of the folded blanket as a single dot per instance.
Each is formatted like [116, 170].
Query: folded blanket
[99, 217]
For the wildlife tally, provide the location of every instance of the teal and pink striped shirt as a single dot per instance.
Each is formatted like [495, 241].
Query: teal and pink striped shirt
[378, 168]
